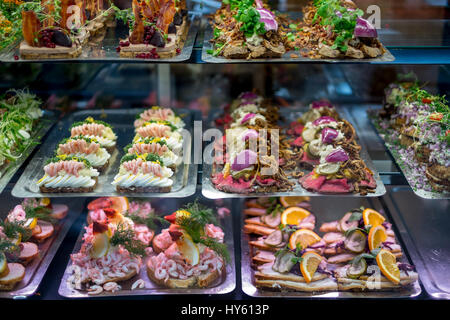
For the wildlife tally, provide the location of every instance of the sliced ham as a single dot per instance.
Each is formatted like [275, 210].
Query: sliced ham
[341, 258]
[255, 211]
[255, 220]
[28, 252]
[329, 226]
[47, 230]
[308, 223]
[261, 230]
[253, 204]
[36, 230]
[59, 211]
[16, 274]
[332, 237]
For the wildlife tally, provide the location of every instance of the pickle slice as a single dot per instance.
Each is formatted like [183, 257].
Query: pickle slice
[3, 265]
[357, 269]
[355, 241]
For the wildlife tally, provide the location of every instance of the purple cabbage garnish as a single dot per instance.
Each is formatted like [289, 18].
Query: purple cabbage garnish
[338, 155]
[247, 117]
[243, 160]
[321, 103]
[406, 267]
[323, 120]
[364, 29]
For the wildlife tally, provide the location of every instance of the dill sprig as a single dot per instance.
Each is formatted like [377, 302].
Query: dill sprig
[40, 213]
[126, 237]
[9, 247]
[150, 221]
[195, 223]
[12, 229]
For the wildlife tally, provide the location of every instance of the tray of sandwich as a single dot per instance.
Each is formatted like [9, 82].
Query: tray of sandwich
[415, 127]
[318, 153]
[250, 31]
[31, 232]
[96, 30]
[323, 248]
[129, 152]
[134, 247]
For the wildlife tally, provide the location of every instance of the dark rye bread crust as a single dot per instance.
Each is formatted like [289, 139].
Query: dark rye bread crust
[143, 189]
[110, 149]
[44, 189]
[102, 168]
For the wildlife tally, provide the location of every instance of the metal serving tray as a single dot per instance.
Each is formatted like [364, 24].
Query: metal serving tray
[105, 51]
[43, 126]
[209, 191]
[35, 271]
[425, 234]
[406, 170]
[223, 285]
[325, 209]
[185, 178]
[286, 58]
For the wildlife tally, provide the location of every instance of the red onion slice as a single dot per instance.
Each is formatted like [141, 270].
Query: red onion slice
[323, 120]
[244, 160]
[247, 117]
[250, 134]
[338, 155]
[364, 29]
[320, 104]
[329, 135]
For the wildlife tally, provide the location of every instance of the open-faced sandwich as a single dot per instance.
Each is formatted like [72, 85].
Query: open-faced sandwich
[95, 129]
[242, 161]
[191, 252]
[161, 114]
[246, 30]
[154, 145]
[68, 174]
[161, 129]
[25, 227]
[334, 29]
[293, 257]
[358, 231]
[87, 148]
[158, 29]
[19, 116]
[330, 148]
[416, 124]
[143, 173]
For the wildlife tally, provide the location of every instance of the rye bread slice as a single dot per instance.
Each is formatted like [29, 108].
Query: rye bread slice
[31, 53]
[143, 189]
[44, 189]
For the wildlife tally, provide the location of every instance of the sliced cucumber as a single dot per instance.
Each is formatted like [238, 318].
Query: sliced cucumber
[355, 241]
[242, 173]
[283, 262]
[357, 269]
[274, 239]
[309, 134]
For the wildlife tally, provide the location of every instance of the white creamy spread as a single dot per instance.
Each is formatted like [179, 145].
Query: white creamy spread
[62, 179]
[95, 159]
[127, 179]
[103, 141]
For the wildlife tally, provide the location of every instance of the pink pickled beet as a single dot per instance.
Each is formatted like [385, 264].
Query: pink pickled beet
[338, 155]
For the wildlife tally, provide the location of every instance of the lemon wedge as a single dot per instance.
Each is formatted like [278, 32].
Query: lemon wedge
[100, 245]
[189, 249]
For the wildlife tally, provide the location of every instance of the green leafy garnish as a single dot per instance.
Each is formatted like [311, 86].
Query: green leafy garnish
[147, 157]
[12, 229]
[125, 237]
[39, 212]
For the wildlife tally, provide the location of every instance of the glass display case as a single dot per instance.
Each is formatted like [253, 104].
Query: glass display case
[415, 32]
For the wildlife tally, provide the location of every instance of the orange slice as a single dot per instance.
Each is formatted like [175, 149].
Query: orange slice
[304, 238]
[372, 217]
[310, 263]
[388, 265]
[120, 204]
[377, 235]
[294, 215]
[292, 201]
